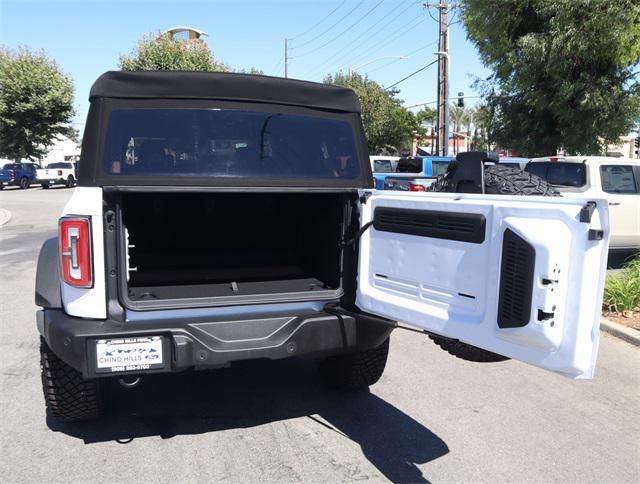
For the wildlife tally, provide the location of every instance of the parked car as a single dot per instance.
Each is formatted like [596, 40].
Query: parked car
[614, 179]
[21, 174]
[62, 173]
[413, 173]
[173, 255]
[384, 164]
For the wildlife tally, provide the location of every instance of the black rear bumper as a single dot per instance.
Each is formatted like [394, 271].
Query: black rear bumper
[215, 342]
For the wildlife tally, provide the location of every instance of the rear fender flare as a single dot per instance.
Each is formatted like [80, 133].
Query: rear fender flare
[48, 276]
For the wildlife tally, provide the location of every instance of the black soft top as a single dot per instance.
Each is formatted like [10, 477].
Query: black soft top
[223, 86]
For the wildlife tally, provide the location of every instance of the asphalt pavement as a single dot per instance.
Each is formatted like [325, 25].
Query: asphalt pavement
[432, 417]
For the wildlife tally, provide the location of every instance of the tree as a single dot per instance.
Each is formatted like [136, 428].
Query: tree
[563, 72]
[165, 53]
[36, 104]
[484, 119]
[457, 117]
[389, 127]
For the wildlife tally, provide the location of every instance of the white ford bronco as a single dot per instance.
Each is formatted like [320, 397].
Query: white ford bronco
[226, 217]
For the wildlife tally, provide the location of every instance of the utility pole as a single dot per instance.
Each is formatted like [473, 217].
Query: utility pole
[286, 58]
[442, 116]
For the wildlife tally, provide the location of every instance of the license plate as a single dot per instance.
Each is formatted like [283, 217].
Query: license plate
[129, 354]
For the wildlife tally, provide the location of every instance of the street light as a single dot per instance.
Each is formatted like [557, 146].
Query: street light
[354, 69]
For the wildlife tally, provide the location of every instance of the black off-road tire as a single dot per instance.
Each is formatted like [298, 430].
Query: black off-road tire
[69, 397]
[70, 181]
[24, 183]
[498, 180]
[45, 186]
[355, 371]
[466, 352]
[503, 180]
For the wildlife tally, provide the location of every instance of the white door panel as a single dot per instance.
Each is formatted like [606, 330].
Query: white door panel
[553, 274]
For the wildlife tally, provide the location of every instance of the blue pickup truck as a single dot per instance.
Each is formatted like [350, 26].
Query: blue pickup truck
[408, 174]
[21, 174]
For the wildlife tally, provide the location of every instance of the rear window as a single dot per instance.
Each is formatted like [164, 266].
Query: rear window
[409, 165]
[233, 143]
[560, 173]
[618, 179]
[59, 165]
[11, 166]
[439, 167]
[382, 166]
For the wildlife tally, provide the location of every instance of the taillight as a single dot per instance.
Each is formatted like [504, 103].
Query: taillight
[13, 174]
[59, 172]
[416, 188]
[75, 251]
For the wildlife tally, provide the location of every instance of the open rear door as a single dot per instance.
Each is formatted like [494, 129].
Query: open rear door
[519, 276]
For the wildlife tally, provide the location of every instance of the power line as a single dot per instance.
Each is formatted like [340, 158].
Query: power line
[387, 41]
[343, 32]
[343, 55]
[398, 60]
[330, 28]
[412, 74]
[318, 23]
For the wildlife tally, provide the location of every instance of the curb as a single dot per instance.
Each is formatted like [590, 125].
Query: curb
[5, 216]
[629, 335]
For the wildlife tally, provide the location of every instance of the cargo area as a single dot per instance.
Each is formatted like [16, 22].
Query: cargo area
[275, 246]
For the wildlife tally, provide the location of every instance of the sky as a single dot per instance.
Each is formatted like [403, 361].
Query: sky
[86, 37]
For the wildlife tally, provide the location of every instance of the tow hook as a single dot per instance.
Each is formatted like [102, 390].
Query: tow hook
[130, 383]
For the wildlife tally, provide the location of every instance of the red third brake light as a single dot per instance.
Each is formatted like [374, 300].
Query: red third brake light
[416, 188]
[75, 251]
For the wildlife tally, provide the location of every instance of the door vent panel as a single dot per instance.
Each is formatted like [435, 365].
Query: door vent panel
[463, 227]
[516, 281]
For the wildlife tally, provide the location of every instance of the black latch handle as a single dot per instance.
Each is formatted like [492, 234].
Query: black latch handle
[587, 211]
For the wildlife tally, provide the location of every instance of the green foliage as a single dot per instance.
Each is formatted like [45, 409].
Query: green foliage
[622, 291]
[426, 114]
[165, 53]
[389, 127]
[563, 71]
[36, 103]
[484, 120]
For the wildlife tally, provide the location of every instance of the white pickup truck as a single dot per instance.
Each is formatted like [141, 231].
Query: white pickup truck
[615, 179]
[63, 173]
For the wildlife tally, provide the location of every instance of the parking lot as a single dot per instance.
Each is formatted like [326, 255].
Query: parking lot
[431, 417]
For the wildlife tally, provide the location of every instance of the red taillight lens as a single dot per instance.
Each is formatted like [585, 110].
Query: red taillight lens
[59, 172]
[75, 251]
[13, 173]
[416, 188]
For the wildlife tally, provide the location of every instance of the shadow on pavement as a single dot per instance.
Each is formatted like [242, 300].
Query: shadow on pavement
[259, 392]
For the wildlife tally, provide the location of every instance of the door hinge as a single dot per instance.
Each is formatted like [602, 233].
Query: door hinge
[587, 211]
[596, 234]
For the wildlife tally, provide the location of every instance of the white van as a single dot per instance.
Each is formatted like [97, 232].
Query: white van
[615, 179]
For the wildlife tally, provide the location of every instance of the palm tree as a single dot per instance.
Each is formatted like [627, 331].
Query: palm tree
[457, 117]
[470, 119]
